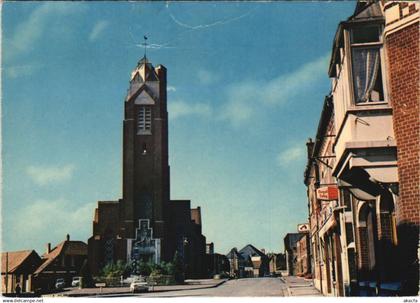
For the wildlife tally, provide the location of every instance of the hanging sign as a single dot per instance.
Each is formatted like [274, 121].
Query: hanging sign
[327, 193]
[303, 228]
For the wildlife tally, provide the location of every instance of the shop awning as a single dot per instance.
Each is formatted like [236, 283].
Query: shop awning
[361, 183]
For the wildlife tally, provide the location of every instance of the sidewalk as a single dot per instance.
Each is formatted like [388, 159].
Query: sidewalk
[297, 286]
[91, 292]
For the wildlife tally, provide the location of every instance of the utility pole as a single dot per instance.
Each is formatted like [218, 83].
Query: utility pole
[7, 271]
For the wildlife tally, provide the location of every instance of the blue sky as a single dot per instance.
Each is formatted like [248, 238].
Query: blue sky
[246, 82]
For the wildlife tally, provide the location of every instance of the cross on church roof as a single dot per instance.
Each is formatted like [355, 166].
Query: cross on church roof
[144, 44]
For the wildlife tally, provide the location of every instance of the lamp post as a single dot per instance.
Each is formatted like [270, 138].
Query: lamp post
[7, 271]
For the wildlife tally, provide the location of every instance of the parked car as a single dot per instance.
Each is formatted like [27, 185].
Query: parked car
[60, 283]
[76, 281]
[139, 286]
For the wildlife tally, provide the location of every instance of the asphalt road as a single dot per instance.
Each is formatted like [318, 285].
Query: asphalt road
[252, 287]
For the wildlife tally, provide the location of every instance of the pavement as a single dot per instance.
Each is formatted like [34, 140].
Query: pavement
[298, 286]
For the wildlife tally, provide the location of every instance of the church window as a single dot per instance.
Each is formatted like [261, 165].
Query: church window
[144, 120]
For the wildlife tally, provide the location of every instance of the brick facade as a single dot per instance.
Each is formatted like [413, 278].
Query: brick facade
[402, 48]
[403, 58]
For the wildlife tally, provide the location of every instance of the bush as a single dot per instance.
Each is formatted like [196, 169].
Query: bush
[113, 270]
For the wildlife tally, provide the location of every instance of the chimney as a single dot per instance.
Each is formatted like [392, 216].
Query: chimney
[48, 248]
[68, 237]
[310, 147]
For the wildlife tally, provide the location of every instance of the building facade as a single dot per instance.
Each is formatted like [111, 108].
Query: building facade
[17, 268]
[62, 261]
[402, 56]
[367, 149]
[303, 257]
[290, 250]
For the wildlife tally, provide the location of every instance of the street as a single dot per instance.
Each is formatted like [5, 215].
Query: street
[251, 287]
[248, 287]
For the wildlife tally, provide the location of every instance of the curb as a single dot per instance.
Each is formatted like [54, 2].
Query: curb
[289, 294]
[220, 283]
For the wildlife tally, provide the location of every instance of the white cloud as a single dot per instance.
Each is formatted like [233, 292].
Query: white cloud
[291, 154]
[180, 108]
[31, 29]
[44, 175]
[97, 30]
[207, 77]
[247, 96]
[53, 219]
[171, 88]
[16, 71]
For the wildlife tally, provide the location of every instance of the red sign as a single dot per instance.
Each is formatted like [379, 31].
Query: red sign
[327, 193]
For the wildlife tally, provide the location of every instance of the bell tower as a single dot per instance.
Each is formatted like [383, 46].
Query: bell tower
[145, 155]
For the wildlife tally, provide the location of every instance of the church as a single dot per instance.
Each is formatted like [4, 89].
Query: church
[145, 225]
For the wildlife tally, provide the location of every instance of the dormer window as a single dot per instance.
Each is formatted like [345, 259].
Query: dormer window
[144, 120]
[366, 64]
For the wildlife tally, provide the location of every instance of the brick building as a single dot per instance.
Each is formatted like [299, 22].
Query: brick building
[62, 261]
[290, 248]
[303, 266]
[401, 39]
[374, 156]
[141, 226]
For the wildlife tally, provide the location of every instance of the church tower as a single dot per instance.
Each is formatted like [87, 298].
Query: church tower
[145, 152]
[136, 227]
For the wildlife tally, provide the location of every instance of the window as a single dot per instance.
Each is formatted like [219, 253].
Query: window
[144, 120]
[366, 64]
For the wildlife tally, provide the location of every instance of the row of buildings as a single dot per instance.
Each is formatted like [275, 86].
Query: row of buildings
[362, 172]
[38, 273]
[250, 262]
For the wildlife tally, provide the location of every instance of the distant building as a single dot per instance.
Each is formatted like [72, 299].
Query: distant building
[303, 257]
[277, 262]
[62, 261]
[210, 248]
[290, 248]
[18, 267]
[236, 263]
[248, 262]
[215, 263]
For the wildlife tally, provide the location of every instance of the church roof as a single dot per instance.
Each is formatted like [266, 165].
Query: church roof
[145, 71]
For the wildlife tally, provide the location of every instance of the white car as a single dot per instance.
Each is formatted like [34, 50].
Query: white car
[139, 286]
[75, 282]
